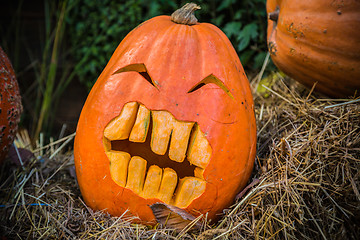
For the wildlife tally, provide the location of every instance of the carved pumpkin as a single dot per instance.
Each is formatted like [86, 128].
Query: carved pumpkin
[10, 105]
[170, 119]
[317, 41]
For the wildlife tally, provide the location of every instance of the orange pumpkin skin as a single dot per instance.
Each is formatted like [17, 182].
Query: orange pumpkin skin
[317, 41]
[177, 57]
[10, 105]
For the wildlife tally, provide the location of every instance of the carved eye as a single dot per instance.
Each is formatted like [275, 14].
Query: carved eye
[211, 79]
[139, 68]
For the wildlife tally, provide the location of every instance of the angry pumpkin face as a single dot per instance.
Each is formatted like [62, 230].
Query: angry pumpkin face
[170, 120]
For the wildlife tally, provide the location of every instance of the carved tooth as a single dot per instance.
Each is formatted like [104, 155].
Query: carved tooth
[141, 126]
[179, 140]
[199, 172]
[136, 174]
[120, 127]
[119, 162]
[199, 152]
[189, 188]
[152, 182]
[162, 126]
[168, 185]
[107, 144]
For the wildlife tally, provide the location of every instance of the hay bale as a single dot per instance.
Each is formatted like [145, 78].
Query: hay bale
[304, 186]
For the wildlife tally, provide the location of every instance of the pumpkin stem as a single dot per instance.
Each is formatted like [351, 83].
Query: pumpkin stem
[274, 16]
[185, 15]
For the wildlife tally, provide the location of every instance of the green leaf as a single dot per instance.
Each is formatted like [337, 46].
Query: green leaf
[218, 21]
[259, 60]
[238, 15]
[246, 56]
[244, 42]
[232, 28]
[225, 4]
[250, 31]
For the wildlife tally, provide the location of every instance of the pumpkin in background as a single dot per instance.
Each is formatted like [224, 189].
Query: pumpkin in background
[10, 105]
[170, 119]
[317, 41]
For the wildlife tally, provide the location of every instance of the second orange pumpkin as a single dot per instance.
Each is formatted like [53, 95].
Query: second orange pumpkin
[317, 42]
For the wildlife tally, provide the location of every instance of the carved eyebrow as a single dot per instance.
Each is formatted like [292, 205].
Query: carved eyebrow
[139, 68]
[211, 79]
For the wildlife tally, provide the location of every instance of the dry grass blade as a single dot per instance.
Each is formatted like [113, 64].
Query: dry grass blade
[305, 183]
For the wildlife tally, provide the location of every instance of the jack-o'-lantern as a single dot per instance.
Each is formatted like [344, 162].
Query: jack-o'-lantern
[317, 42]
[10, 105]
[170, 119]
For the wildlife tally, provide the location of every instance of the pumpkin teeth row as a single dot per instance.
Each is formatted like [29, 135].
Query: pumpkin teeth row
[184, 140]
[130, 172]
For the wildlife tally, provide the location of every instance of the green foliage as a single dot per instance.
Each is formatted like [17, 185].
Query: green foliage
[95, 28]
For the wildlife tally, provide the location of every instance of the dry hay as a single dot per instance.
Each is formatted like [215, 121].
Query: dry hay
[305, 183]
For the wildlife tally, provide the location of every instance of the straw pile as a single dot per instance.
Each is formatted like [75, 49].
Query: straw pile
[305, 183]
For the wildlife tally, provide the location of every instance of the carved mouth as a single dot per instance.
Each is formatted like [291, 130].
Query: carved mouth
[167, 165]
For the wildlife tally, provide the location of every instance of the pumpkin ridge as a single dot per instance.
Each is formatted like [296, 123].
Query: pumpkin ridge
[163, 42]
[230, 52]
[316, 57]
[245, 91]
[334, 53]
[176, 56]
[129, 42]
